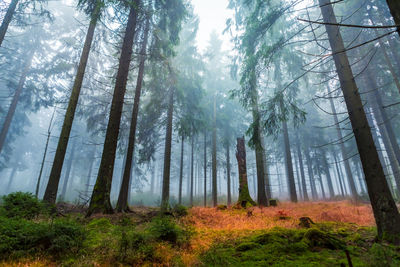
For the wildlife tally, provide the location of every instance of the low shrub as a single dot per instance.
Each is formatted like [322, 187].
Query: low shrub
[165, 229]
[21, 205]
[180, 210]
[134, 248]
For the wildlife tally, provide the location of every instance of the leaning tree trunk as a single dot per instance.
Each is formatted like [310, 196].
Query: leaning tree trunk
[386, 214]
[228, 174]
[14, 102]
[100, 201]
[122, 204]
[7, 19]
[50, 194]
[303, 177]
[244, 195]
[205, 169]
[214, 156]
[394, 6]
[347, 168]
[289, 164]
[167, 153]
[181, 171]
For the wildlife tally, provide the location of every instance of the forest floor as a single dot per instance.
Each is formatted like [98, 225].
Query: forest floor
[338, 232]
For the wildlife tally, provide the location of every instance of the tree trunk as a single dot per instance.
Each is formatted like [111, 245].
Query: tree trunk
[244, 195]
[298, 178]
[153, 178]
[303, 177]
[68, 171]
[328, 176]
[266, 174]
[55, 174]
[191, 172]
[228, 174]
[92, 158]
[338, 175]
[100, 201]
[7, 19]
[385, 211]
[181, 171]
[214, 155]
[347, 168]
[167, 153]
[311, 176]
[122, 204]
[289, 164]
[205, 169]
[11, 178]
[14, 102]
[394, 6]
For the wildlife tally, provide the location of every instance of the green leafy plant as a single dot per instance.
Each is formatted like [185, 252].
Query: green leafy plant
[21, 205]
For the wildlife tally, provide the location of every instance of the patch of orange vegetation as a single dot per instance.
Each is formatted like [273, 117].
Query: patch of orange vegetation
[267, 218]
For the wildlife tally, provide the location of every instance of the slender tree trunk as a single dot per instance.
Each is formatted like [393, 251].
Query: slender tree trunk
[100, 201]
[214, 155]
[266, 174]
[14, 102]
[321, 184]
[228, 174]
[311, 175]
[68, 171]
[253, 172]
[303, 177]
[153, 178]
[289, 164]
[298, 177]
[347, 168]
[122, 204]
[11, 178]
[328, 176]
[55, 174]
[181, 171]
[338, 175]
[244, 195]
[7, 19]
[205, 169]
[191, 172]
[385, 211]
[394, 6]
[92, 158]
[167, 153]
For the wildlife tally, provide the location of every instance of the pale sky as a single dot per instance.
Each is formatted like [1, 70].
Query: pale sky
[213, 15]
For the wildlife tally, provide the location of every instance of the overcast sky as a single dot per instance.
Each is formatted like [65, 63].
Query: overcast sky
[213, 15]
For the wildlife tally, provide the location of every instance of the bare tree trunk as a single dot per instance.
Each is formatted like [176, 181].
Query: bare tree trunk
[311, 175]
[298, 177]
[92, 158]
[100, 201]
[122, 204]
[153, 178]
[386, 214]
[167, 153]
[214, 156]
[205, 169]
[244, 195]
[321, 184]
[68, 171]
[347, 168]
[228, 174]
[339, 175]
[303, 177]
[11, 178]
[266, 174]
[394, 6]
[328, 176]
[7, 19]
[55, 174]
[181, 171]
[14, 102]
[289, 164]
[191, 172]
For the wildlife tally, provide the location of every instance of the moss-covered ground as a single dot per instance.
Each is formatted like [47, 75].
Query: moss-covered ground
[203, 237]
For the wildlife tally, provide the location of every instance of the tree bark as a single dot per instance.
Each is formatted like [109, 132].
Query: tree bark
[298, 178]
[394, 6]
[205, 169]
[7, 19]
[214, 155]
[303, 177]
[311, 175]
[92, 158]
[338, 175]
[244, 195]
[328, 176]
[14, 102]
[100, 201]
[167, 153]
[55, 174]
[181, 170]
[68, 171]
[191, 172]
[289, 164]
[122, 204]
[386, 214]
[228, 174]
